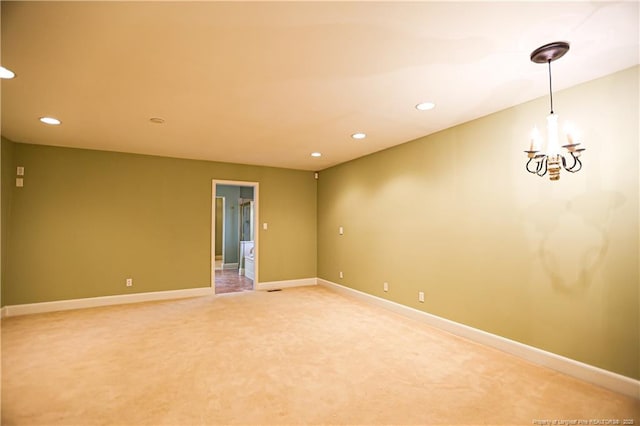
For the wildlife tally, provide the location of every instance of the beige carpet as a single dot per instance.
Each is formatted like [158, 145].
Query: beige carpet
[299, 356]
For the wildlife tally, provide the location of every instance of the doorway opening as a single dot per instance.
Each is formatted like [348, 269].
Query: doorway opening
[234, 239]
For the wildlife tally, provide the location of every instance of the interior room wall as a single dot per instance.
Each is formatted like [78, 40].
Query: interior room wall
[86, 220]
[455, 215]
[246, 192]
[7, 180]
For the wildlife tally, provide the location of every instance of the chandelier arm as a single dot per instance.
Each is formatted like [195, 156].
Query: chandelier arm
[542, 164]
[527, 166]
[577, 164]
[564, 163]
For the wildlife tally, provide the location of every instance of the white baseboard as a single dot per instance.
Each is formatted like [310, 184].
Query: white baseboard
[230, 265]
[92, 302]
[274, 285]
[588, 373]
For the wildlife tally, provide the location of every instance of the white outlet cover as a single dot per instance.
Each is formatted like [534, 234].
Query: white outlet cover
[19, 182]
[385, 286]
[341, 230]
[20, 171]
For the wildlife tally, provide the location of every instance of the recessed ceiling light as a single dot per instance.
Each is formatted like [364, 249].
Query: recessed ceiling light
[5, 73]
[425, 106]
[156, 120]
[50, 121]
[316, 154]
[359, 135]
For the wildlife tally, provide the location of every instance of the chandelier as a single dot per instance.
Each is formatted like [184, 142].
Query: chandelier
[552, 160]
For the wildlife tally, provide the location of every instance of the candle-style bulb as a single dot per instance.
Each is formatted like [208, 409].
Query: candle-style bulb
[570, 131]
[535, 139]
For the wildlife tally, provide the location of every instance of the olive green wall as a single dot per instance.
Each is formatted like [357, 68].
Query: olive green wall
[455, 214]
[7, 180]
[86, 220]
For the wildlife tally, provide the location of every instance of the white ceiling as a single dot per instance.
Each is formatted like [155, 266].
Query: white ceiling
[270, 82]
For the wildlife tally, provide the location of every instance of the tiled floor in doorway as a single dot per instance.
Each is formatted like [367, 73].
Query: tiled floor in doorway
[228, 281]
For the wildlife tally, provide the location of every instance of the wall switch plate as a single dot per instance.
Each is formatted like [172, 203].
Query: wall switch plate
[385, 286]
[341, 274]
[421, 296]
[341, 230]
[265, 226]
[129, 282]
[20, 171]
[19, 182]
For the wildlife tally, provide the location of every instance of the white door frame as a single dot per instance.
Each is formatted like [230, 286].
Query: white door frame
[256, 221]
[224, 206]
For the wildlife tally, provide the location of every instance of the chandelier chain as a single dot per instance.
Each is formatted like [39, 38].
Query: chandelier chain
[550, 90]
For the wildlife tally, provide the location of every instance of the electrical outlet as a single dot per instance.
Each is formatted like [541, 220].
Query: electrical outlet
[341, 274]
[385, 286]
[129, 282]
[421, 296]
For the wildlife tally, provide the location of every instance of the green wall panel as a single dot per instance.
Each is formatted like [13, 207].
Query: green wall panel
[86, 220]
[455, 215]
